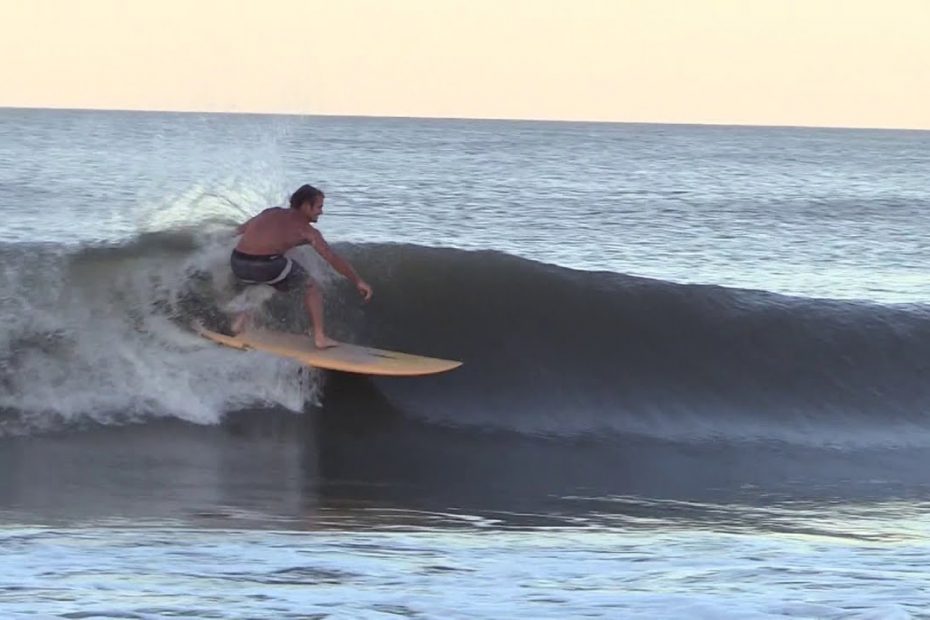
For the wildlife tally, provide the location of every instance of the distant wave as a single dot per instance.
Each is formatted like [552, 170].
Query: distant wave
[99, 334]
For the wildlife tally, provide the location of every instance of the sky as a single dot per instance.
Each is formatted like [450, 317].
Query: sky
[839, 63]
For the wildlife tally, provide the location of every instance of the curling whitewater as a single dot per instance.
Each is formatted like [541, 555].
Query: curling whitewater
[98, 334]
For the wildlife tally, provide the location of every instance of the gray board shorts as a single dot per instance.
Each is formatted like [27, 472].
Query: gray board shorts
[274, 270]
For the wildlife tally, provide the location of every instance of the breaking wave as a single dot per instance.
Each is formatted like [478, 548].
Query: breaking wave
[100, 333]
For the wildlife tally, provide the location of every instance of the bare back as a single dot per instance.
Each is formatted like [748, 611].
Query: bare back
[273, 231]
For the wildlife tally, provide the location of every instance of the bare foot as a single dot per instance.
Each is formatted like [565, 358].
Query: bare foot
[322, 342]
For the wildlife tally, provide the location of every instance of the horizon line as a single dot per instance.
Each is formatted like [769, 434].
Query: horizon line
[461, 118]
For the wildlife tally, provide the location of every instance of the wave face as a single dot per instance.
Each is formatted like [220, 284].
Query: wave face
[99, 334]
[557, 351]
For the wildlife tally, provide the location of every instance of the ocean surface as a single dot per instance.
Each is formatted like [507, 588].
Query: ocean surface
[695, 379]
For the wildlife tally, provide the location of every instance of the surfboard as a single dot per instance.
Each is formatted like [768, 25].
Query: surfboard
[345, 357]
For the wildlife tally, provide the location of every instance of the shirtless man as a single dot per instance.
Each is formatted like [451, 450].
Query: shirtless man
[259, 256]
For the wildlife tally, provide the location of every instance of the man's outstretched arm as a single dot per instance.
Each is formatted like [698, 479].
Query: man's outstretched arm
[339, 264]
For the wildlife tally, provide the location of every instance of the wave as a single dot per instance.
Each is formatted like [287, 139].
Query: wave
[99, 333]
[558, 351]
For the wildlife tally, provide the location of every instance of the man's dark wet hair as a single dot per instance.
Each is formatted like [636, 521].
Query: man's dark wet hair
[305, 193]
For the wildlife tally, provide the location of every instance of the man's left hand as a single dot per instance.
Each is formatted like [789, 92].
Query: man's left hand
[364, 289]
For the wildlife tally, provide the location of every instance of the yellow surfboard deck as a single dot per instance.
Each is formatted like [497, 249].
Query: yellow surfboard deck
[345, 357]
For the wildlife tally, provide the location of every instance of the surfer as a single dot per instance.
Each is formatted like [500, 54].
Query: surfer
[259, 258]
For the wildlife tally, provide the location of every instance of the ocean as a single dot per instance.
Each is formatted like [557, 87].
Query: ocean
[694, 380]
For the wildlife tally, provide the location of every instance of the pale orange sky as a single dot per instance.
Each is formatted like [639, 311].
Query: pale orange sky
[848, 63]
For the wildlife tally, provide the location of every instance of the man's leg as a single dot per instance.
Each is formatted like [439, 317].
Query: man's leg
[250, 272]
[246, 304]
[242, 322]
[313, 299]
